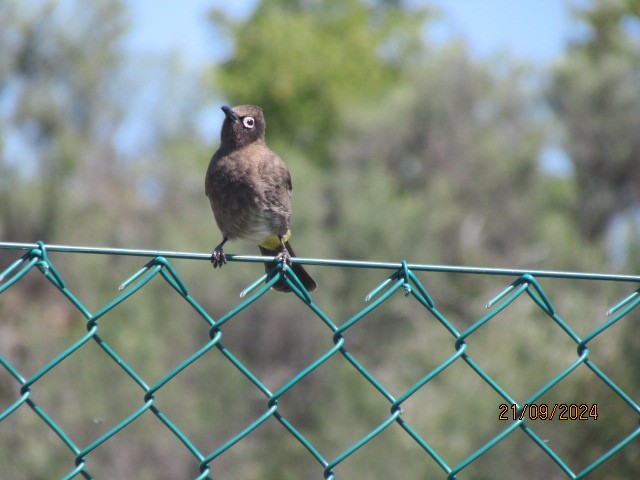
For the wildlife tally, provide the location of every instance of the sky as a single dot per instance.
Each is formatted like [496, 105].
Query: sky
[532, 30]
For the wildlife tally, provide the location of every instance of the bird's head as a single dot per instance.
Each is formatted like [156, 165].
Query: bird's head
[242, 125]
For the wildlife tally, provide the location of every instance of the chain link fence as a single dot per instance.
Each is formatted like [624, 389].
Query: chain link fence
[517, 414]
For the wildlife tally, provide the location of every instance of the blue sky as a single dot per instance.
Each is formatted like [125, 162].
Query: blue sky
[534, 30]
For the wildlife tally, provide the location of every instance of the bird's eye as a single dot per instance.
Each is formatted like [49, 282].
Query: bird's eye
[248, 122]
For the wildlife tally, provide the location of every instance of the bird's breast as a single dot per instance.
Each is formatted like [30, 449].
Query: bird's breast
[247, 201]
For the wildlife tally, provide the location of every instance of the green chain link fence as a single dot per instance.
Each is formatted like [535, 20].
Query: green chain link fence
[402, 278]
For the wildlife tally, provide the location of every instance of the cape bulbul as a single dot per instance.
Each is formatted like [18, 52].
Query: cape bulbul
[249, 188]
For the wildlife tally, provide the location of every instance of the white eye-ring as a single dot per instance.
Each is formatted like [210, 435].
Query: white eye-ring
[248, 122]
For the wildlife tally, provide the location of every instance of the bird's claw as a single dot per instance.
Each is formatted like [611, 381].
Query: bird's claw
[218, 258]
[285, 258]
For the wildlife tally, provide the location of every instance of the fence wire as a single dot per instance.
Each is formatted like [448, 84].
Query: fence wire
[401, 279]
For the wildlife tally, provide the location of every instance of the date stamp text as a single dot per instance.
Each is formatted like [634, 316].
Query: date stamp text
[544, 411]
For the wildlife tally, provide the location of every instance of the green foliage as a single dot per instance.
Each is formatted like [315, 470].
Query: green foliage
[56, 83]
[455, 146]
[608, 24]
[595, 91]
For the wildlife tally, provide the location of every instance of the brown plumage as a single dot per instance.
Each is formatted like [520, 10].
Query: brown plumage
[249, 188]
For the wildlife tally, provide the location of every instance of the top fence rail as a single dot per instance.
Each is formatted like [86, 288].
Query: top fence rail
[328, 262]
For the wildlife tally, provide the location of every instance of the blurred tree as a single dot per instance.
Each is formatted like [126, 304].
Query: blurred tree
[450, 162]
[56, 88]
[595, 92]
[74, 105]
[460, 144]
[83, 130]
[307, 62]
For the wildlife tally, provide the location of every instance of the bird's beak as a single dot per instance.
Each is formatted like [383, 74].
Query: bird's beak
[230, 114]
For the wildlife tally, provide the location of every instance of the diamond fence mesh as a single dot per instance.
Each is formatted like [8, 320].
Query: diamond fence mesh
[517, 414]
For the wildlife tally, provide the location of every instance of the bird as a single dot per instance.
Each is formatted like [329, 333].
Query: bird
[249, 188]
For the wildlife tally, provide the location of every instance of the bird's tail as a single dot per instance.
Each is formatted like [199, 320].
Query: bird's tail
[281, 286]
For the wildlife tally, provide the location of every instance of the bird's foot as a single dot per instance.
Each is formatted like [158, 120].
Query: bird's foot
[284, 257]
[218, 258]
